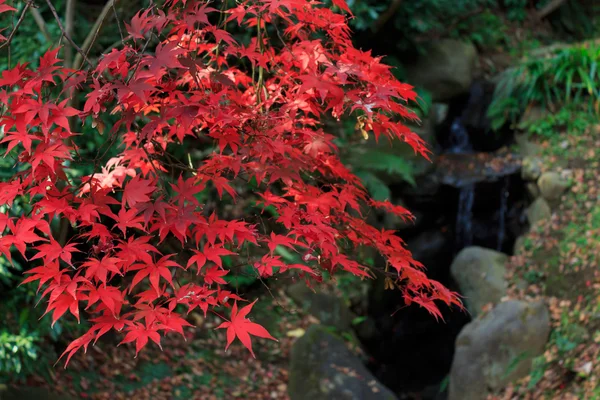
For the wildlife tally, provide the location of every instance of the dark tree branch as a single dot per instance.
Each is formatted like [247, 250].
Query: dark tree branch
[12, 33]
[64, 32]
[550, 8]
[385, 17]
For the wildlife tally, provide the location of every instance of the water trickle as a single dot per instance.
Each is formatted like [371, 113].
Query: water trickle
[464, 217]
[502, 213]
[459, 138]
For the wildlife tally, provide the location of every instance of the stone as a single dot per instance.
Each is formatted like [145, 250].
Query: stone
[439, 112]
[479, 273]
[322, 368]
[519, 245]
[552, 185]
[526, 146]
[532, 190]
[497, 349]
[446, 69]
[328, 309]
[29, 393]
[538, 211]
[531, 168]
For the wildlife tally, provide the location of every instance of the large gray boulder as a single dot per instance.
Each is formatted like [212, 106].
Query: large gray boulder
[497, 349]
[446, 69]
[479, 273]
[323, 368]
[552, 185]
[538, 211]
[328, 309]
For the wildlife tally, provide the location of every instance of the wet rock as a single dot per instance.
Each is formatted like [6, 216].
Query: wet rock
[538, 211]
[479, 273]
[497, 349]
[328, 309]
[552, 185]
[531, 168]
[461, 169]
[446, 69]
[323, 368]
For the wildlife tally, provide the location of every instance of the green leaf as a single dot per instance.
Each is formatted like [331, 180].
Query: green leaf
[376, 187]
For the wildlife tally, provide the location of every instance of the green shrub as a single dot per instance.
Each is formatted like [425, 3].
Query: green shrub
[564, 77]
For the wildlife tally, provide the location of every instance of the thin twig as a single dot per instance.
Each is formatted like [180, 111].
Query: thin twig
[118, 22]
[12, 33]
[64, 33]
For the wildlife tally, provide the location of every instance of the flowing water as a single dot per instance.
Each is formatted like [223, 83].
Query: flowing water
[464, 216]
[502, 213]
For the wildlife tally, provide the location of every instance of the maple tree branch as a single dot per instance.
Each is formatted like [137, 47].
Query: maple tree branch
[39, 20]
[69, 18]
[549, 8]
[93, 34]
[64, 32]
[12, 33]
[385, 17]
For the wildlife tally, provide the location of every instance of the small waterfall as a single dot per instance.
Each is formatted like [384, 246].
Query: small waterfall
[502, 217]
[464, 218]
[459, 138]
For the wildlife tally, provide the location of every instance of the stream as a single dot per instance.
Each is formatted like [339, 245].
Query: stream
[477, 200]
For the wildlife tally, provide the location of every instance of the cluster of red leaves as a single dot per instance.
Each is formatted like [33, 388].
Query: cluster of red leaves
[262, 104]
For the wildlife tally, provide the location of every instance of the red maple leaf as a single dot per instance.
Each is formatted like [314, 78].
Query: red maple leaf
[140, 334]
[53, 251]
[241, 327]
[137, 191]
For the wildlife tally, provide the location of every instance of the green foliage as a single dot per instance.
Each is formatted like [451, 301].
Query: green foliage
[568, 119]
[539, 366]
[377, 161]
[566, 76]
[18, 352]
[366, 13]
[485, 29]
[516, 9]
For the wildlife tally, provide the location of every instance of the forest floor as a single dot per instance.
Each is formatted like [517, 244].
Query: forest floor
[195, 367]
[559, 262]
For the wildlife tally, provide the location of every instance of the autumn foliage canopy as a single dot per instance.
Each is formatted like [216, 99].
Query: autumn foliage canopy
[263, 104]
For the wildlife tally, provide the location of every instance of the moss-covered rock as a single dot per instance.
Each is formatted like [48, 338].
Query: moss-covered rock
[479, 273]
[328, 309]
[552, 185]
[497, 349]
[531, 168]
[323, 368]
[445, 69]
[538, 211]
